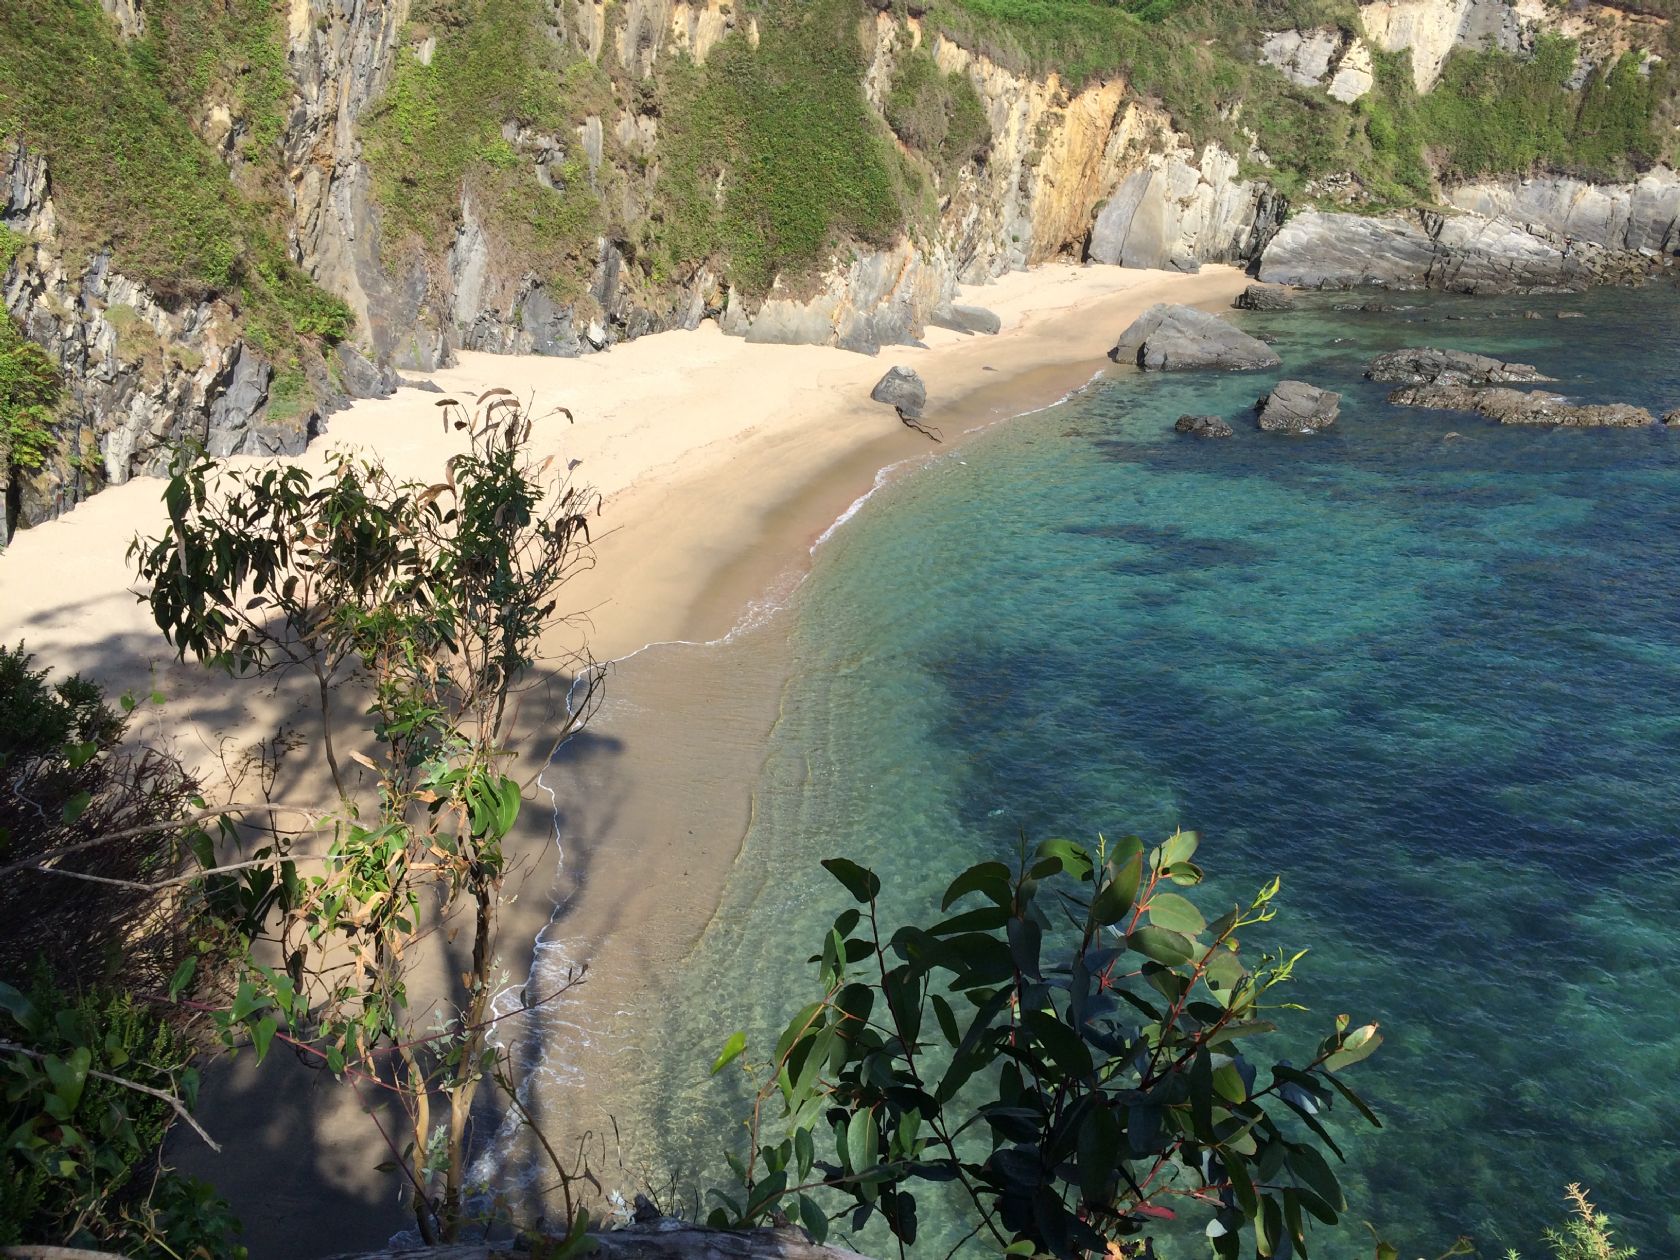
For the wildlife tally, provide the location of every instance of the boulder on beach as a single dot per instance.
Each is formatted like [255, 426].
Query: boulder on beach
[1203, 426]
[1428, 365]
[901, 388]
[1515, 406]
[965, 319]
[1296, 407]
[1265, 297]
[1168, 338]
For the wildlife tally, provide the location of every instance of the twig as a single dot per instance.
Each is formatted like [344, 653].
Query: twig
[175, 1103]
[173, 824]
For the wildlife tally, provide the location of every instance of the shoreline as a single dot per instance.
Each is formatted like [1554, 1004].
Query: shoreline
[720, 463]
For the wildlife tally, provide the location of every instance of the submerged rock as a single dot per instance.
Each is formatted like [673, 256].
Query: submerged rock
[1448, 367]
[1672, 418]
[1265, 297]
[1203, 426]
[1168, 338]
[901, 388]
[965, 319]
[1296, 407]
[1515, 406]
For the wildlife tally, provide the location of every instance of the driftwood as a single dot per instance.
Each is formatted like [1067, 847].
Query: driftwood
[659, 1240]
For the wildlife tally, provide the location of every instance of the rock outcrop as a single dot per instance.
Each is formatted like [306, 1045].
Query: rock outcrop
[1448, 367]
[1204, 426]
[965, 319]
[1265, 297]
[142, 378]
[1296, 407]
[1515, 406]
[1177, 213]
[1671, 418]
[1169, 338]
[903, 389]
[1470, 252]
[1323, 57]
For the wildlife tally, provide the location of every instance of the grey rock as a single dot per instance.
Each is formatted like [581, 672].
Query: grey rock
[903, 389]
[1296, 407]
[1448, 367]
[1178, 214]
[1180, 338]
[1265, 297]
[1204, 426]
[1671, 419]
[1515, 406]
[428, 387]
[1462, 253]
[1571, 315]
[360, 376]
[965, 319]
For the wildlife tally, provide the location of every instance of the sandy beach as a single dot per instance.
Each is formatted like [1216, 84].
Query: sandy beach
[719, 464]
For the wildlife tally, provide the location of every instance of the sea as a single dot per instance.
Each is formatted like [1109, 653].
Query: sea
[1423, 668]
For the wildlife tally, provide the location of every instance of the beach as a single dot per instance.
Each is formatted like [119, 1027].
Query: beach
[719, 465]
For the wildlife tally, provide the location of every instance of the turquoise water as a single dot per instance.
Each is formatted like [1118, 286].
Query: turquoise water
[1434, 684]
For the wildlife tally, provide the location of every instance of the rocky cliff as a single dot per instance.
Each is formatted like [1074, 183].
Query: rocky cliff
[535, 177]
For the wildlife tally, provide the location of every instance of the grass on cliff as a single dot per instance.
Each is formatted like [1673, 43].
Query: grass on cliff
[439, 131]
[768, 154]
[937, 114]
[127, 172]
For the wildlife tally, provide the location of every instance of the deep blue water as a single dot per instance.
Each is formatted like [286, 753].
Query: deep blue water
[1434, 684]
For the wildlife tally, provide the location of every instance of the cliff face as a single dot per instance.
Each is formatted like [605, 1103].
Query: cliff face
[536, 177]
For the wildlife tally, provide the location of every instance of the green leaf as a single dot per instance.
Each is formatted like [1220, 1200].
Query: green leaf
[76, 806]
[731, 1051]
[812, 1218]
[1169, 948]
[1180, 847]
[862, 883]
[1176, 913]
[1310, 1167]
[1069, 856]
[1099, 1153]
[262, 1032]
[1361, 1043]
[989, 878]
[183, 975]
[860, 1141]
[16, 1005]
[1115, 900]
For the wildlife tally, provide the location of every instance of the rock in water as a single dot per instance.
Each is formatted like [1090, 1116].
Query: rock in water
[1448, 367]
[1168, 338]
[903, 389]
[1672, 419]
[1265, 297]
[1515, 406]
[1296, 407]
[965, 319]
[1203, 426]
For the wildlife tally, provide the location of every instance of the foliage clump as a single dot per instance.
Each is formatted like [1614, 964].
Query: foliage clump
[80, 1140]
[29, 391]
[770, 154]
[1585, 1235]
[439, 133]
[1075, 1048]
[938, 114]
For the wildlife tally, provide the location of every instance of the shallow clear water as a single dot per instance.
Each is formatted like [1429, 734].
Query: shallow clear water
[1433, 684]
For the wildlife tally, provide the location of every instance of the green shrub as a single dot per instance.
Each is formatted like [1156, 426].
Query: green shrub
[768, 154]
[938, 114]
[79, 1152]
[29, 389]
[1585, 1236]
[1076, 1047]
[438, 132]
